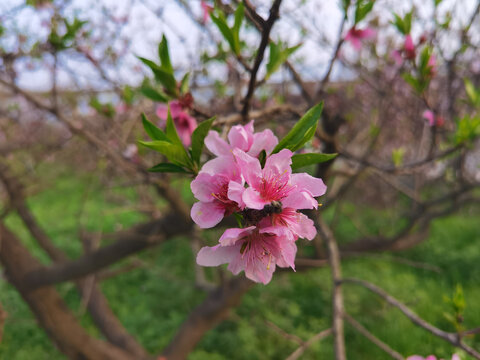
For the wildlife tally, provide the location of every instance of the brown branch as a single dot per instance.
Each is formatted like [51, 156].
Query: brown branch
[337, 296]
[95, 301]
[274, 10]
[299, 352]
[209, 313]
[452, 338]
[127, 243]
[362, 330]
[49, 308]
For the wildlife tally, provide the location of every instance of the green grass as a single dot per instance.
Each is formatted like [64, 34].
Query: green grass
[153, 300]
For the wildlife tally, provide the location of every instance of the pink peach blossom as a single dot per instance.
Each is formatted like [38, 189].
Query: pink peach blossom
[409, 47]
[355, 36]
[243, 138]
[255, 250]
[184, 123]
[214, 186]
[275, 182]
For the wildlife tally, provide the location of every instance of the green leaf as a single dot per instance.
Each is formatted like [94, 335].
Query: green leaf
[198, 139]
[184, 84]
[175, 153]
[171, 130]
[162, 76]
[302, 160]
[167, 167]
[153, 94]
[302, 131]
[222, 25]
[165, 56]
[239, 14]
[397, 156]
[154, 132]
[278, 56]
[362, 10]
[404, 25]
[472, 93]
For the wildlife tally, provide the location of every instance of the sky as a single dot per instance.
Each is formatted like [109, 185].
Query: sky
[149, 19]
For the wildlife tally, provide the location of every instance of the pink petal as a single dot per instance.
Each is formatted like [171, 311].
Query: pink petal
[303, 227]
[288, 251]
[240, 138]
[397, 57]
[207, 214]
[249, 167]
[231, 236]
[223, 165]
[455, 357]
[162, 111]
[313, 185]
[264, 140]
[356, 43]
[366, 33]
[299, 200]
[430, 116]
[279, 163]
[253, 199]
[216, 144]
[235, 193]
[175, 108]
[409, 45]
[203, 186]
[216, 255]
[258, 272]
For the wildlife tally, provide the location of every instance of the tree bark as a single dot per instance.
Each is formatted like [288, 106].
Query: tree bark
[49, 309]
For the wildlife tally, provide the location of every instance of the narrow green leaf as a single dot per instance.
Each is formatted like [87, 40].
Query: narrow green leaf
[154, 132]
[171, 130]
[175, 153]
[167, 167]
[302, 131]
[184, 84]
[239, 13]
[162, 76]
[362, 10]
[222, 25]
[165, 56]
[198, 139]
[471, 91]
[302, 160]
[153, 94]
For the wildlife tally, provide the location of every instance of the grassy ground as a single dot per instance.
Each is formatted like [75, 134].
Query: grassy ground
[153, 300]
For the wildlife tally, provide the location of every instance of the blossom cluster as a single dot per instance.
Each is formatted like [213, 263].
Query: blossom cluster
[267, 199]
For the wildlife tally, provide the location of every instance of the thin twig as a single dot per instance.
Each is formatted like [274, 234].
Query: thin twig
[452, 338]
[337, 296]
[359, 327]
[299, 352]
[274, 10]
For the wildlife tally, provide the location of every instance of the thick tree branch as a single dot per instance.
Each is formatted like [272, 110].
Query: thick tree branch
[214, 309]
[49, 308]
[127, 243]
[97, 304]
